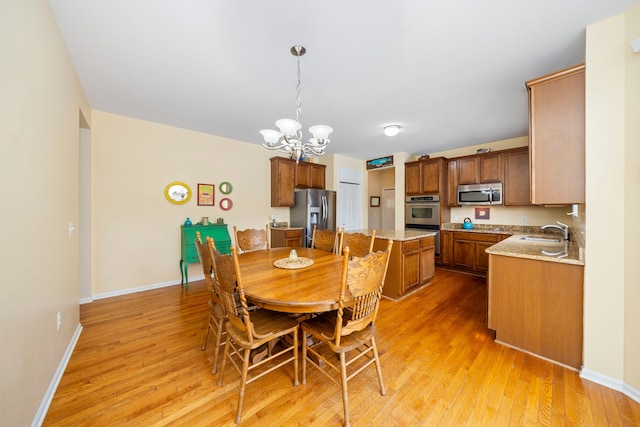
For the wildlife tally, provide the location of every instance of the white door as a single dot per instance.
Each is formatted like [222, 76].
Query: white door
[349, 206]
[388, 204]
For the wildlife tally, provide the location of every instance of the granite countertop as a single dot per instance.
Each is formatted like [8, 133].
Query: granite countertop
[567, 252]
[399, 235]
[491, 228]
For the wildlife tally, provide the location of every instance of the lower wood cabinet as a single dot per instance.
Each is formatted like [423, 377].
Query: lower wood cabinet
[466, 250]
[412, 263]
[537, 306]
[286, 237]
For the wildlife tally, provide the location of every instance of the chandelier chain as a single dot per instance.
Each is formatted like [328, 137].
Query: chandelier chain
[298, 98]
[288, 138]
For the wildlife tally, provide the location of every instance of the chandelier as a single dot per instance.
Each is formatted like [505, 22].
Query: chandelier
[289, 136]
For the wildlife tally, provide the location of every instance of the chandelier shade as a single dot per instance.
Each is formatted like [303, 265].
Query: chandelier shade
[289, 136]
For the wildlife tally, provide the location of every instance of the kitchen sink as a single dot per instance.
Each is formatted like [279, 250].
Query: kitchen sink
[541, 239]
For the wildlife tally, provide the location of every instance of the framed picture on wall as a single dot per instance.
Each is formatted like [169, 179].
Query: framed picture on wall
[374, 201]
[206, 194]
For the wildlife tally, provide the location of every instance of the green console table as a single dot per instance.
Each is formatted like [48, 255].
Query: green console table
[188, 251]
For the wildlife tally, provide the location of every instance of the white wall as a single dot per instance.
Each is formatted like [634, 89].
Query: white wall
[514, 215]
[40, 105]
[612, 271]
[504, 144]
[604, 283]
[136, 240]
[632, 205]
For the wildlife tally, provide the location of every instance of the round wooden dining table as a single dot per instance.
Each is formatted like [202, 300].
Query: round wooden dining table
[312, 289]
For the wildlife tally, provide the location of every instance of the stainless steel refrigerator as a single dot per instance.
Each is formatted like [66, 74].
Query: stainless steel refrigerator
[313, 206]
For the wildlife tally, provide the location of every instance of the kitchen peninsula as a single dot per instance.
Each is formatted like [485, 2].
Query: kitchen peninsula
[535, 296]
[412, 261]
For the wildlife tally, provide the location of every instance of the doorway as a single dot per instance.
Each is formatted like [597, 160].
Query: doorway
[84, 218]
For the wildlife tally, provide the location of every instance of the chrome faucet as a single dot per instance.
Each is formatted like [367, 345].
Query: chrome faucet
[562, 227]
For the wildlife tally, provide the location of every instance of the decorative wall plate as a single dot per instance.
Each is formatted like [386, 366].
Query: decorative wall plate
[177, 193]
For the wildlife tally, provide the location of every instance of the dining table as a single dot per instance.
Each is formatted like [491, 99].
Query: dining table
[310, 284]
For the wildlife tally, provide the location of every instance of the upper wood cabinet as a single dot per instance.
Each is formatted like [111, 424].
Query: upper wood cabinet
[468, 170]
[490, 167]
[480, 168]
[556, 137]
[452, 183]
[286, 176]
[282, 181]
[425, 176]
[310, 175]
[516, 189]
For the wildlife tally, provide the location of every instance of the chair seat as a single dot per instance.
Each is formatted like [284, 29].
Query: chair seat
[265, 322]
[322, 327]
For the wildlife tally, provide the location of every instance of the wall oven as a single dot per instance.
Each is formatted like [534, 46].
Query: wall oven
[423, 212]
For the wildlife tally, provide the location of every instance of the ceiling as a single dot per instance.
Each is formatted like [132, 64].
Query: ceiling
[450, 73]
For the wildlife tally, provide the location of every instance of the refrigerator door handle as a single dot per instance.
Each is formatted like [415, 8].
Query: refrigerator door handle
[325, 208]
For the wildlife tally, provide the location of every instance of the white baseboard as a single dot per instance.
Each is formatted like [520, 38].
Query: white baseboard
[138, 289]
[53, 386]
[611, 383]
[631, 392]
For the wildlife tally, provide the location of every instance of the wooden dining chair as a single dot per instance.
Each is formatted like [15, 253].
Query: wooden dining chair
[217, 314]
[342, 337]
[359, 244]
[248, 330]
[251, 239]
[324, 240]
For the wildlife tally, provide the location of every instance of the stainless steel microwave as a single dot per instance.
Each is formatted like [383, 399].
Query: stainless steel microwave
[480, 194]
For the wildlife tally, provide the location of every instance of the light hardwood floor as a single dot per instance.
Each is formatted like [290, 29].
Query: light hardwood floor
[138, 362]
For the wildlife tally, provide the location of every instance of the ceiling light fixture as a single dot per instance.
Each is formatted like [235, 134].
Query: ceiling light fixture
[391, 130]
[289, 130]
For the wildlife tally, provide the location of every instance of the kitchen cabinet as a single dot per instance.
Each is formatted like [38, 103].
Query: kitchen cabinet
[556, 137]
[468, 170]
[480, 169]
[188, 251]
[425, 176]
[286, 237]
[412, 263]
[452, 183]
[282, 182]
[516, 189]
[537, 306]
[286, 176]
[310, 175]
[446, 243]
[466, 250]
